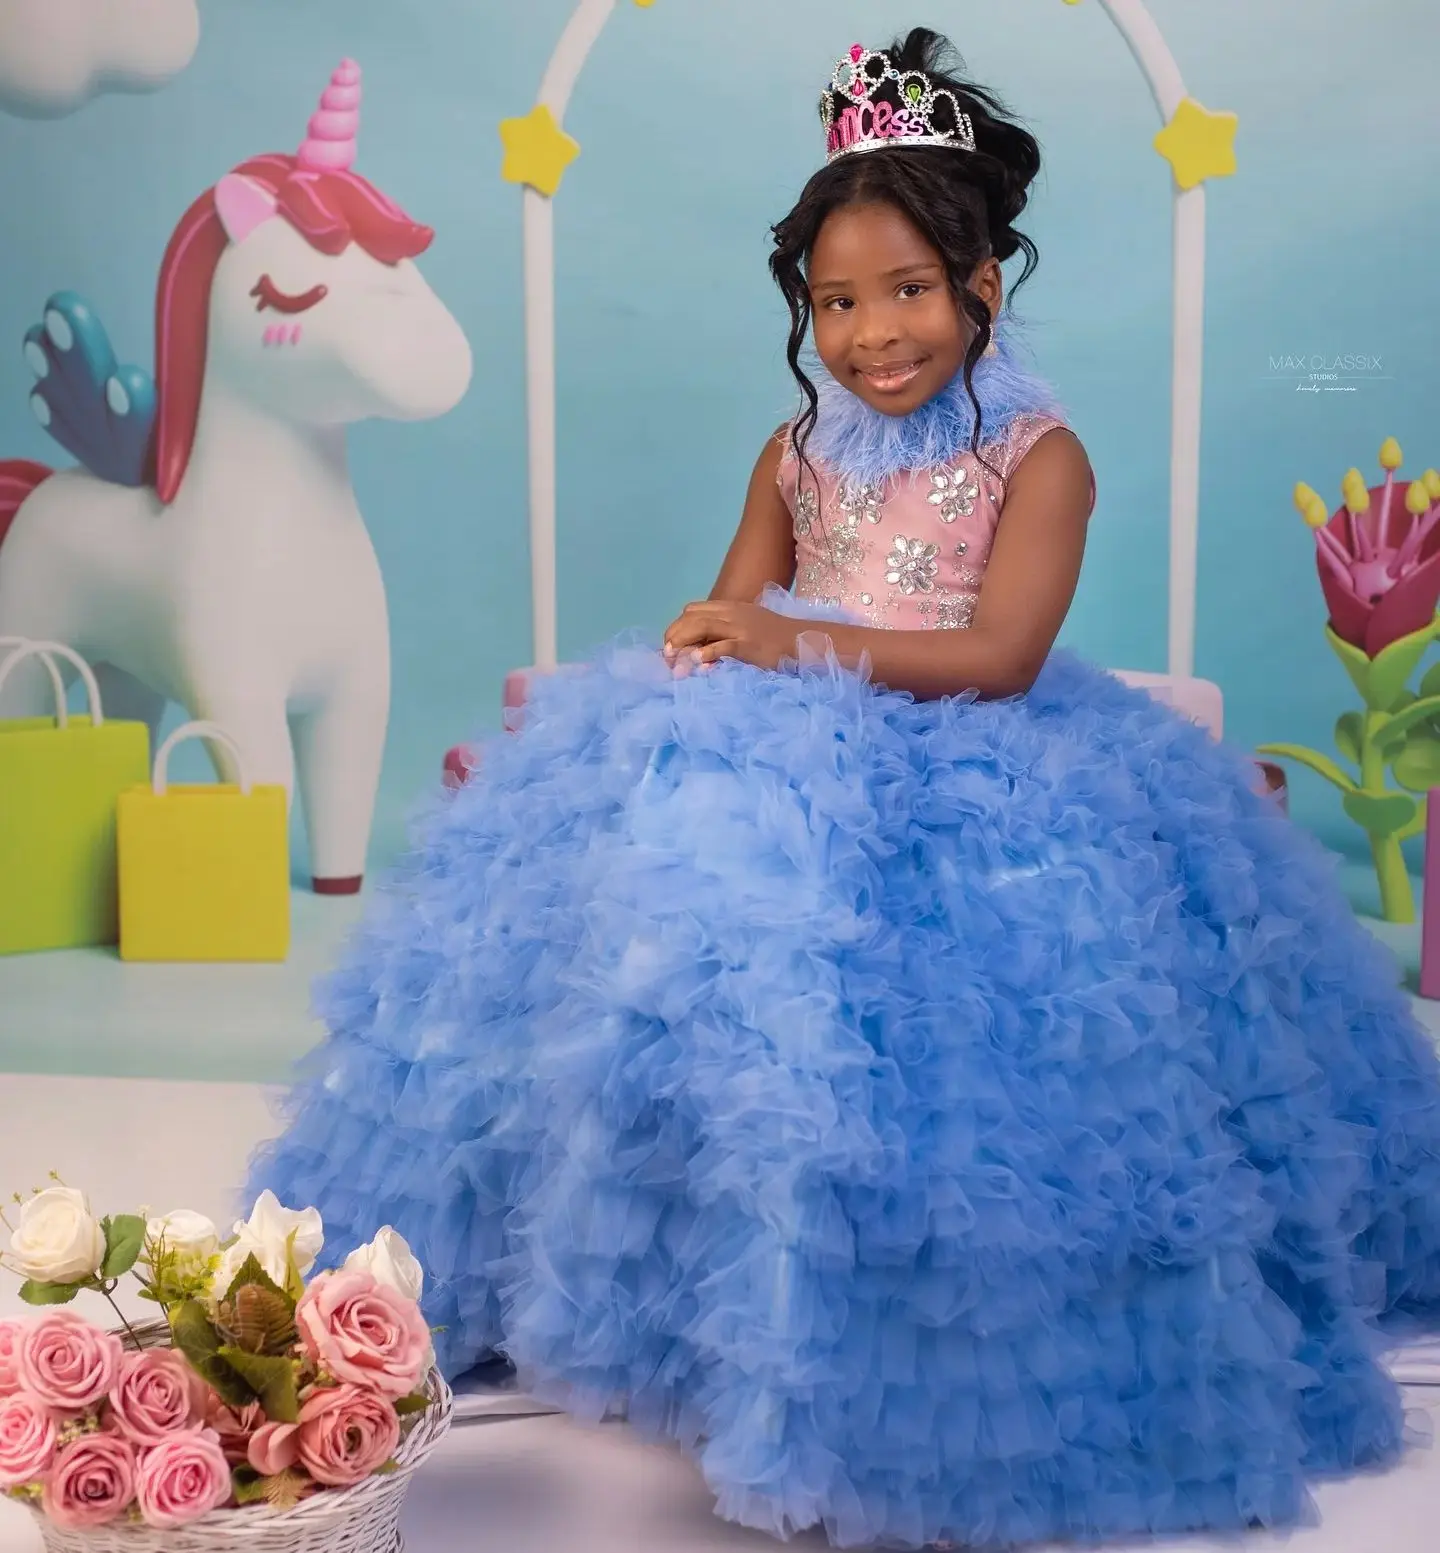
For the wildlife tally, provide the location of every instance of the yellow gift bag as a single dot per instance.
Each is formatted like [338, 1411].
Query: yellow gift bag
[60, 778]
[204, 871]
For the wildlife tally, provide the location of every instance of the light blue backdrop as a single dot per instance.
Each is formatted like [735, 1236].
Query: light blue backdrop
[697, 122]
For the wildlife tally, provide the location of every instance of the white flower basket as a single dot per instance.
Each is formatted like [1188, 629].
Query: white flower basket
[363, 1519]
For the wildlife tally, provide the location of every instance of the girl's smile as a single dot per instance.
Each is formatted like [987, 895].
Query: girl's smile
[892, 377]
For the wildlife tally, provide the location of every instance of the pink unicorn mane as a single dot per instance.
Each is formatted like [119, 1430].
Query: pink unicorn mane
[323, 199]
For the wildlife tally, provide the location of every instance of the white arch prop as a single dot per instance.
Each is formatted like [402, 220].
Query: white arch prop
[1153, 55]
[580, 36]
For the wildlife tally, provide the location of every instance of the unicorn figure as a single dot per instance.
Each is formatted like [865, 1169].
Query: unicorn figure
[210, 551]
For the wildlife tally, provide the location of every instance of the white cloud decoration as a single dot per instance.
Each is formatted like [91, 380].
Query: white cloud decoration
[55, 55]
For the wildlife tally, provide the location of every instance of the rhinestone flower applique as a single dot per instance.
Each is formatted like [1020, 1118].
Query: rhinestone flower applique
[912, 565]
[807, 509]
[862, 503]
[954, 493]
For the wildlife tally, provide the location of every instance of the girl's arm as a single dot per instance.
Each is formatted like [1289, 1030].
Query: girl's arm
[763, 550]
[1028, 588]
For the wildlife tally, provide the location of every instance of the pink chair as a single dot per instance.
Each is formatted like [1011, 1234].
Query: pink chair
[464, 758]
[1197, 699]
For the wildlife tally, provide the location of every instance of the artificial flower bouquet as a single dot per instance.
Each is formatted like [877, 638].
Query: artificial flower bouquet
[265, 1396]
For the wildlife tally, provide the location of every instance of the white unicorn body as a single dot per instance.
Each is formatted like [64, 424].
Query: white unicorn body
[253, 597]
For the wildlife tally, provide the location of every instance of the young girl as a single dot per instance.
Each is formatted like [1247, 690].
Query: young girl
[902, 1065]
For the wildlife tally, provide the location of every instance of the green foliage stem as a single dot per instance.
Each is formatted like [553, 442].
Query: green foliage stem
[1397, 734]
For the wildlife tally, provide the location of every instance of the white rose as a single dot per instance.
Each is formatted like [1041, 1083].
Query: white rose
[273, 1236]
[59, 1240]
[189, 1237]
[389, 1260]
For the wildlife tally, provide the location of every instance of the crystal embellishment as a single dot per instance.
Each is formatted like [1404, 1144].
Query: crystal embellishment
[912, 565]
[862, 502]
[954, 493]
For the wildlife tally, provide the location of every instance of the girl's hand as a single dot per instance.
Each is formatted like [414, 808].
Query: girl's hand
[721, 629]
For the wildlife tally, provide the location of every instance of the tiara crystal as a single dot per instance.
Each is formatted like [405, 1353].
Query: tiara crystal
[872, 121]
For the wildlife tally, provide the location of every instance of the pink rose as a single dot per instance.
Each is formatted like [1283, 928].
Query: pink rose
[67, 1363]
[235, 1429]
[10, 1334]
[181, 1479]
[27, 1440]
[157, 1394]
[274, 1448]
[345, 1433]
[364, 1332]
[92, 1482]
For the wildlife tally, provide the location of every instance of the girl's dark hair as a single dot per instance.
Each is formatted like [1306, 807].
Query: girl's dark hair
[965, 204]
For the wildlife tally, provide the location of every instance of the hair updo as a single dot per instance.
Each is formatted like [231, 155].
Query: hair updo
[965, 203]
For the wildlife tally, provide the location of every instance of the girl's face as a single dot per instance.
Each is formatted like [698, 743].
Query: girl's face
[886, 324]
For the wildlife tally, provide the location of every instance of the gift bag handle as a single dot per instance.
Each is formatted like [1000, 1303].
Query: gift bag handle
[160, 781]
[47, 652]
[48, 659]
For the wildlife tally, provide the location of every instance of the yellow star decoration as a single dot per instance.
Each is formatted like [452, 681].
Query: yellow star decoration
[1198, 144]
[537, 151]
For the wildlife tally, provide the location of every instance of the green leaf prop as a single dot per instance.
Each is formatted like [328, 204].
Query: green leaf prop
[1417, 764]
[1350, 735]
[233, 1391]
[251, 1272]
[48, 1293]
[1380, 814]
[1320, 764]
[1393, 666]
[124, 1241]
[1397, 728]
[417, 1402]
[271, 1379]
[1416, 826]
[248, 1485]
[192, 1334]
[1356, 664]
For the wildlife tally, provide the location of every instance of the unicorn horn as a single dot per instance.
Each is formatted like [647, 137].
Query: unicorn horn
[330, 139]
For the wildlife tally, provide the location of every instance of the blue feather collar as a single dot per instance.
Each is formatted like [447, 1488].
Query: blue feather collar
[867, 447]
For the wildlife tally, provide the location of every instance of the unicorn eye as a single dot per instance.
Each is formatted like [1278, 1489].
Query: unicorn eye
[268, 294]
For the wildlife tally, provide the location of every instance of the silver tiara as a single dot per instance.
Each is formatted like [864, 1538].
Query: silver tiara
[870, 124]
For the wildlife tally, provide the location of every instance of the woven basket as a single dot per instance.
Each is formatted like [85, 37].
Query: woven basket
[363, 1519]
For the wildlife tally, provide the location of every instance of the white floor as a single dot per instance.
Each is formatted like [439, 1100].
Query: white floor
[531, 1484]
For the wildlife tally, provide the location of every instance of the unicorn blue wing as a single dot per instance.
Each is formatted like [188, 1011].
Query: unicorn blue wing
[100, 412]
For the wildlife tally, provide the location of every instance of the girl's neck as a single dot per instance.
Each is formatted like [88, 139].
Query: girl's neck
[867, 447]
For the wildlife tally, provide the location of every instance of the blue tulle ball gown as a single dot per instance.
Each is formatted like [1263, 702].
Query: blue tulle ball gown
[953, 1120]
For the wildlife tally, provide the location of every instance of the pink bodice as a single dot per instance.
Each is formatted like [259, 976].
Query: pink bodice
[910, 554]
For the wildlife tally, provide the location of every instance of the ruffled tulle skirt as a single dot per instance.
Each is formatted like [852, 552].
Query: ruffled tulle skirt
[951, 1120]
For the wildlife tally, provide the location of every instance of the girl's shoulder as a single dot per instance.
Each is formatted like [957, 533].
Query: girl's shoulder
[1009, 449]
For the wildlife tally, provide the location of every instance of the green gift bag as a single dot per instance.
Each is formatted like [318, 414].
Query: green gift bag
[60, 781]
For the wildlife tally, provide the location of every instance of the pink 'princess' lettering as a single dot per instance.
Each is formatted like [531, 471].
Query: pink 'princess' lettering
[873, 121]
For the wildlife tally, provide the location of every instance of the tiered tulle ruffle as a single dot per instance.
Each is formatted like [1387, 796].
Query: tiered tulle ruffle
[947, 1120]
